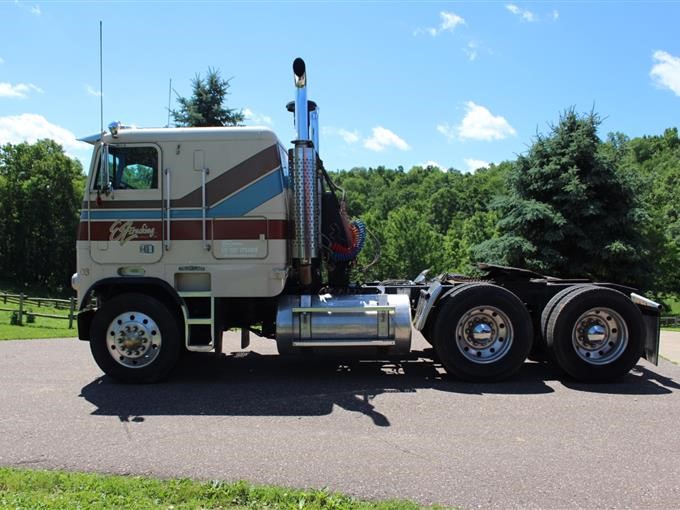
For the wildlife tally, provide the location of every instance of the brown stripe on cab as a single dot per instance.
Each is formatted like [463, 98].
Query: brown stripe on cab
[227, 183]
[232, 180]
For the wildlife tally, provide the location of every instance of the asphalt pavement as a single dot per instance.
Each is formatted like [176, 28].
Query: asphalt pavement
[669, 347]
[373, 429]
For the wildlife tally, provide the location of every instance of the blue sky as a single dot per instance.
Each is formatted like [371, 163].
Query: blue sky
[457, 84]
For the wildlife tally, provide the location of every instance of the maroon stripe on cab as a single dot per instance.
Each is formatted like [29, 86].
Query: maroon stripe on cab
[239, 229]
[278, 229]
[83, 232]
[184, 230]
[118, 230]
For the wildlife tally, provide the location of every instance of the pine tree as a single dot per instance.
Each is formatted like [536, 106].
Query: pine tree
[570, 210]
[206, 107]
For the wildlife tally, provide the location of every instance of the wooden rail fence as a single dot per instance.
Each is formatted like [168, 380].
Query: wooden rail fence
[670, 322]
[23, 301]
[69, 304]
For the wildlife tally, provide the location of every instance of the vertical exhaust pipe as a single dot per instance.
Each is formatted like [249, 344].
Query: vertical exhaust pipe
[314, 124]
[301, 115]
[306, 212]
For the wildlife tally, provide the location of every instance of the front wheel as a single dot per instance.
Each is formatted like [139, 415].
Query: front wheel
[482, 333]
[135, 339]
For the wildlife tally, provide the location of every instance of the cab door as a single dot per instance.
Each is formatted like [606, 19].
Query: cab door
[125, 213]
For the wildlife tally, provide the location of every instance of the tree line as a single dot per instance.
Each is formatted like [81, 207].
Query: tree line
[41, 190]
[574, 205]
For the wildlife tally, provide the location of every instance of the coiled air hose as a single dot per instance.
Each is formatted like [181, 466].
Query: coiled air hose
[340, 253]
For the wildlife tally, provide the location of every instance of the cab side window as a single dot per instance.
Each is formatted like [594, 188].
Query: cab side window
[132, 168]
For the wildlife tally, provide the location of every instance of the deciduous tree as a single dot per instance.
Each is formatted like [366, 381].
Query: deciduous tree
[40, 196]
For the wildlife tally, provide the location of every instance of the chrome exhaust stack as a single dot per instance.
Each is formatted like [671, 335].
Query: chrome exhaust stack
[301, 113]
[306, 211]
[314, 123]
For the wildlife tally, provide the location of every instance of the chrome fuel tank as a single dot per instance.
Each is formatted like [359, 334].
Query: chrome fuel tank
[368, 320]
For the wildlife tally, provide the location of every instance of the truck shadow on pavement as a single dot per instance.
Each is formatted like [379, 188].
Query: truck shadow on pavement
[252, 384]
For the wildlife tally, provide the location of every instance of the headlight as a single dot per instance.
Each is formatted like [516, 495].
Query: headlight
[75, 281]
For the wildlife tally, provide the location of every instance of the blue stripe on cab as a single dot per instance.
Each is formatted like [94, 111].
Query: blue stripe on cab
[248, 198]
[236, 205]
[142, 214]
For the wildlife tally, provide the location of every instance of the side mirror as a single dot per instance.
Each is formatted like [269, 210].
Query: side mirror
[104, 177]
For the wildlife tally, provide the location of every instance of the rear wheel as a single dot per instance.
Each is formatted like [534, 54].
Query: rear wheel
[552, 304]
[135, 339]
[540, 350]
[482, 333]
[595, 334]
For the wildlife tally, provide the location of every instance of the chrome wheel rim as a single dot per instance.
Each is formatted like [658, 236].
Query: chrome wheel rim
[484, 334]
[133, 339]
[600, 336]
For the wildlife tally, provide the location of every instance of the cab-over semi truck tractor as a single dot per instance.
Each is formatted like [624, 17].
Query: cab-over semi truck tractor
[188, 232]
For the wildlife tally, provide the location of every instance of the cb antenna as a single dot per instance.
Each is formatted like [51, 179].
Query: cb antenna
[101, 82]
[169, 98]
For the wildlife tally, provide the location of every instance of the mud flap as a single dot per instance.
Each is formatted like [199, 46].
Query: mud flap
[652, 326]
[84, 321]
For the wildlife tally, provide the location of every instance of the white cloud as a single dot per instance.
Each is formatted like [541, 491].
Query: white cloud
[471, 51]
[447, 130]
[2, 60]
[20, 90]
[524, 14]
[475, 164]
[257, 118]
[480, 124]
[92, 91]
[449, 21]
[555, 14]
[349, 137]
[30, 127]
[433, 164]
[666, 71]
[33, 9]
[383, 138]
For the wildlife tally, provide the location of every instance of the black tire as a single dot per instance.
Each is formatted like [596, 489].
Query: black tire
[595, 334]
[540, 349]
[428, 330]
[115, 344]
[547, 311]
[492, 312]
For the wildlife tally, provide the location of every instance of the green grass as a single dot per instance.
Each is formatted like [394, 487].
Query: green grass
[22, 488]
[43, 327]
[674, 303]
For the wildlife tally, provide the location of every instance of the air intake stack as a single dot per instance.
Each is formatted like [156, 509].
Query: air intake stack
[306, 212]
